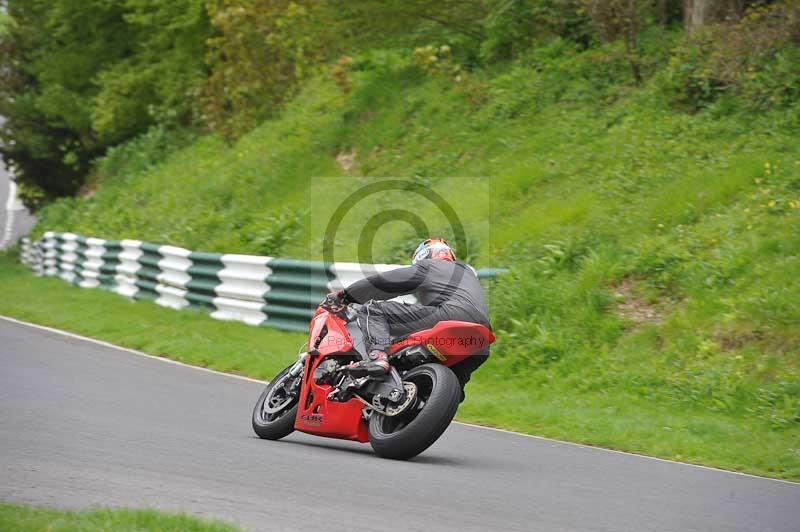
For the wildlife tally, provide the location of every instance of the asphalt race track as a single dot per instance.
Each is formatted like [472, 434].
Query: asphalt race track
[82, 424]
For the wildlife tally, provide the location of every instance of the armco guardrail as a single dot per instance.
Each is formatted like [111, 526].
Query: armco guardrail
[261, 291]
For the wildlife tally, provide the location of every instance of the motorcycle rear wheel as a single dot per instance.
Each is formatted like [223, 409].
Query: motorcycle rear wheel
[280, 423]
[406, 435]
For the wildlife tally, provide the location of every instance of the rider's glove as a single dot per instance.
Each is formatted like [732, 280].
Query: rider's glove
[338, 294]
[336, 299]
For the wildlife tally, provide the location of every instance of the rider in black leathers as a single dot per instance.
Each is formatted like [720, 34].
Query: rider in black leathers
[447, 290]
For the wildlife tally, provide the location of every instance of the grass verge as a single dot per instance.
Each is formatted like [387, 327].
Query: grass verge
[22, 518]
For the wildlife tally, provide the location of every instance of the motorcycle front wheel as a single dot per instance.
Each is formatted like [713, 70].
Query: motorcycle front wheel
[406, 435]
[276, 408]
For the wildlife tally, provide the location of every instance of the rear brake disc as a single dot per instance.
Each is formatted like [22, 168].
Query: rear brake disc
[411, 395]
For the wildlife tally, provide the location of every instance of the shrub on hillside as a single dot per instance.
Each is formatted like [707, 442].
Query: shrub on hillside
[157, 82]
[756, 58]
[261, 49]
[141, 153]
[269, 235]
[557, 72]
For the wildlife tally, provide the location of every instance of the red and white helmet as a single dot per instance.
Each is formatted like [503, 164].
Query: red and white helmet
[433, 248]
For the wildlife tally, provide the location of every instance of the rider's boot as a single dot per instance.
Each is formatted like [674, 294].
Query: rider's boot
[376, 366]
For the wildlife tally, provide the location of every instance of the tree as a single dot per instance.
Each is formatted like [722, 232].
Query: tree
[51, 54]
[699, 13]
[81, 75]
[161, 77]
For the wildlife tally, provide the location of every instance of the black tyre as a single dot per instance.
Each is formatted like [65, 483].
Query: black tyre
[406, 435]
[276, 408]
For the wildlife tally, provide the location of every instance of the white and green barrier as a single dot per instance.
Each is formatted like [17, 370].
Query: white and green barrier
[261, 291]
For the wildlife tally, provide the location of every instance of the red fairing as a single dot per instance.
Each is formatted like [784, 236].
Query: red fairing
[315, 327]
[450, 341]
[315, 414]
[336, 339]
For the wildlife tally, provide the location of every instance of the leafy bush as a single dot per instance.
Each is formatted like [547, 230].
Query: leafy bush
[158, 82]
[553, 73]
[269, 235]
[756, 58]
[142, 153]
[262, 48]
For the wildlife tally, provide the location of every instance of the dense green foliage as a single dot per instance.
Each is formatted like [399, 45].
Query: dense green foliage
[29, 519]
[79, 77]
[642, 184]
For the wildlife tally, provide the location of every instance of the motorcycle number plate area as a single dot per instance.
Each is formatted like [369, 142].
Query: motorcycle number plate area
[318, 415]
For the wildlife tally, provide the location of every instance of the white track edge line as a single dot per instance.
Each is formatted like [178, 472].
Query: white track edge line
[128, 350]
[628, 453]
[495, 429]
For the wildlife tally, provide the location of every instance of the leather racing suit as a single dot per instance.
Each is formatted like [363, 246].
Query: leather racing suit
[446, 291]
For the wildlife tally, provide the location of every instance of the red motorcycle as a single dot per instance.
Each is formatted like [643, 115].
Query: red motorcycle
[400, 415]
